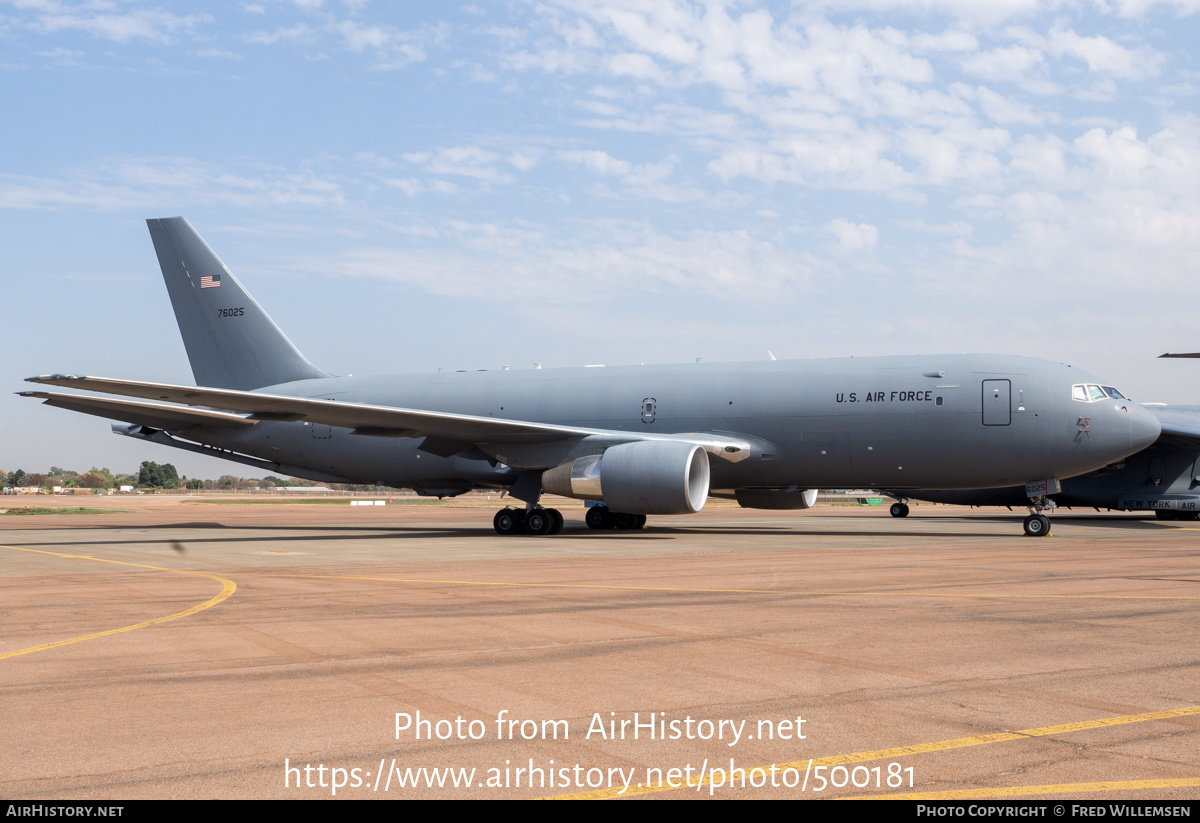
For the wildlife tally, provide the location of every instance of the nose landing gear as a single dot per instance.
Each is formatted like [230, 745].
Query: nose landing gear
[1037, 524]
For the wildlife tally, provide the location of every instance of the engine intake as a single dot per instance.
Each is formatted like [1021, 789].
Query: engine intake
[646, 477]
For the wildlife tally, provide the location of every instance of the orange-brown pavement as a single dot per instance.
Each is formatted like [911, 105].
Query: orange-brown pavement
[210, 644]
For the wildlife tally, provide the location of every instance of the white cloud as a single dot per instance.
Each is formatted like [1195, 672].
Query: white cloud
[412, 186]
[486, 258]
[523, 160]
[853, 238]
[103, 20]
[1168, 161]
[299, 32]
[138, 183]
[1004, 63]
[394, 48]
[1001, 108]
[1104, 56]
[642, 180]
[61, 55]
[598, 161]
[218, 53]
[465, 161]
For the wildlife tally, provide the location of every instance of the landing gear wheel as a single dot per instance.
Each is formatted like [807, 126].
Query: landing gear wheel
[538, 522]
[558, 520]
[625, 522]
[1163, 514]
[1037, 525]
[899, 510]
[508, 521]
[641, 522]
[599, 518]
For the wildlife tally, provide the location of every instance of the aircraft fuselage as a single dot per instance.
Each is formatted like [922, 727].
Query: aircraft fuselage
[939, 421]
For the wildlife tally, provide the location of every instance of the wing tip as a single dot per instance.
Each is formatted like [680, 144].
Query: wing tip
[51, 378]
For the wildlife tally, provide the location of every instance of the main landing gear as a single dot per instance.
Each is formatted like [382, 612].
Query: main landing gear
[899, 510]
[600, 519]
[535, 521]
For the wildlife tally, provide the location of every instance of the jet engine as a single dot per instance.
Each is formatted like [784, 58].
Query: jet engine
[646, 477]
[776, 498]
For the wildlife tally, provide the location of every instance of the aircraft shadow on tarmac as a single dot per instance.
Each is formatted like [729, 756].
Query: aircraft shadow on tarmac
[936, 529]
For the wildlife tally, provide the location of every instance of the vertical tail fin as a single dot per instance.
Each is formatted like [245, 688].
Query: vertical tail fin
[230, 340]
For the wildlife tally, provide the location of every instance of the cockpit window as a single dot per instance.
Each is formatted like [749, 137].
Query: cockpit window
[1090, 393]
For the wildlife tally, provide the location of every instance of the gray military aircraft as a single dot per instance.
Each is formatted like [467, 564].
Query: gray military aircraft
[1164, 478]
[639, 440]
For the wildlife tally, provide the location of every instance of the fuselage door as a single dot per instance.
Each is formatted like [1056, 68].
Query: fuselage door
[997, 400]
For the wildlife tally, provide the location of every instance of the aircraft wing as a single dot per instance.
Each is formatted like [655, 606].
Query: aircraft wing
[1178, 422]
[445, 432]
[154, 415]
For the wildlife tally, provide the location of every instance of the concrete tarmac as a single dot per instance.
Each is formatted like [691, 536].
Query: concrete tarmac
[190, 649]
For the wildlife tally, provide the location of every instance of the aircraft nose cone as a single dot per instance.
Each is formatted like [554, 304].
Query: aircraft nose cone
[1145, 427]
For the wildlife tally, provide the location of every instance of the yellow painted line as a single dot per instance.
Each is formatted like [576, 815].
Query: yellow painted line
[728, 591]
[1052, 788]
[228, 587]
[903, 751]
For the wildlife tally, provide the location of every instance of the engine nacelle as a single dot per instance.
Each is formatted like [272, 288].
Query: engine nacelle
[646, 477]
[776, 498]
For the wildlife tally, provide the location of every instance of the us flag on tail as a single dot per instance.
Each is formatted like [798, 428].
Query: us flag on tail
[210, 281]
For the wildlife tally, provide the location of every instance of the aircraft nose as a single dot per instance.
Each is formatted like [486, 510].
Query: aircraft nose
[1145, 427]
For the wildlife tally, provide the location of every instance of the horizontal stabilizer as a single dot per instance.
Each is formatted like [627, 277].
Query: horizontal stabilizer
[152, 415]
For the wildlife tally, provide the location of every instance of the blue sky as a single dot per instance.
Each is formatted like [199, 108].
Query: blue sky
[413, 186]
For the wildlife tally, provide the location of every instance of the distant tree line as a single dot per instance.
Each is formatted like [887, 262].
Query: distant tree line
[150, 475]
